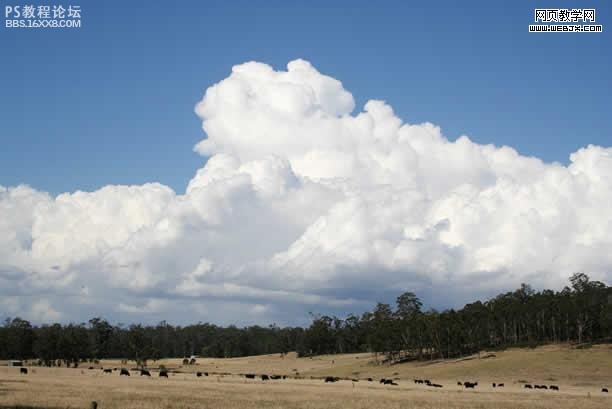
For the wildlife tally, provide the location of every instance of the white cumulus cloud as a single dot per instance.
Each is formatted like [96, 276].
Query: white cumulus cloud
[304, 204]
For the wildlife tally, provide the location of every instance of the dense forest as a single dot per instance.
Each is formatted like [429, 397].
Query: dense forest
[580, 313]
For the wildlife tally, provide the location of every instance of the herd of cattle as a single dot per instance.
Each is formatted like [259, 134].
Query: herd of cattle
[551, 387]
[163, 373]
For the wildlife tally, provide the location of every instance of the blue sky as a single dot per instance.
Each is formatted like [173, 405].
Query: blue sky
[112, 102]
[299, 210]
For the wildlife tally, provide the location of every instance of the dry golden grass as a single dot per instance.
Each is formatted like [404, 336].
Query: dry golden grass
[579, 373]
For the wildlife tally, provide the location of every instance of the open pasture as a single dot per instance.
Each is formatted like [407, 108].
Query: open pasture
[580, 375]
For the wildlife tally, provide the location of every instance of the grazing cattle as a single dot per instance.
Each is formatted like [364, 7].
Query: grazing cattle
[470, 385]
[458, 383]
[265, 378]
[144, 372]
[500, 385]
[185, 361]
[436, 385]
[331, 379]
[275, 377]
[198, 374]
[543, 387]
[427, 381]
[370, 380]
[284, 376]
[249, 376]
[553, 387]
[108, 370]
[124, 372]
[493, 384]
[205, 373]
[192, 361]
[23, 371]
[604, 390]
[527, 386]
[389, 382]
[382, 380]
[163, 373]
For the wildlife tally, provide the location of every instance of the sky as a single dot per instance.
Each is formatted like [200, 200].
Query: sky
[250, 162]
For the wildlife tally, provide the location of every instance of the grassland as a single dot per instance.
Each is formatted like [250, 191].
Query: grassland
[580, 375]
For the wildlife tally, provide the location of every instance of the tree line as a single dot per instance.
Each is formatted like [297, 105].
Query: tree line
[580, 313]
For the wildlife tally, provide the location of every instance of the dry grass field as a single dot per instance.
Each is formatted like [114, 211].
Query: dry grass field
[580, 374]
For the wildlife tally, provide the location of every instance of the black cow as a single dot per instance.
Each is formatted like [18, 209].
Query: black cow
[124, 372]
[163, 373]
[144, 372]
[185, 361]
[493, 384]
[553, 387]
[536, 386]
[331, 379]
[265, 377]
[284, 376]
[250, 376]
[388, 382]
[427, 381]
[500, 385]
[458, 383]
[370, 380]
[198, 374]
[23, 371]
[91, 367]
[528, 386]
[436, 385]
[108, 370]
[470, 385]
[604, 390]
[205, 373]
[382, 380]
[275, 377]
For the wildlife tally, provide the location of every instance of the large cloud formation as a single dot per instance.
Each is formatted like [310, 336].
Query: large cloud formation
[303, 206]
